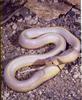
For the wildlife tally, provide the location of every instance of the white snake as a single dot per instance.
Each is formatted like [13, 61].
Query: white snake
[34, 38]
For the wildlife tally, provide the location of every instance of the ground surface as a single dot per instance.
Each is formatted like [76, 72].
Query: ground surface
[67, 85]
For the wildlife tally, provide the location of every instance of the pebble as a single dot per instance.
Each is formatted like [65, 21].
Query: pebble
[24, 12]
[76, 75]
[34, 21]
[1, 27]
[40, 51]
[80, 77]
[18, 49]
[66, 71]
[20, 20]
[29, 92]
[75, 10]
[32, 95]
[23, 50]
[14, 27]
[40, 92]
[28, 18]
[31, 52]
[3, 57]
[23, 21]
[14, 31]
[6, 36]
[78, 20]
[10, 24]
[6, 94]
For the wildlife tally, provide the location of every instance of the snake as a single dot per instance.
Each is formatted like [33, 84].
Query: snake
[34, 38]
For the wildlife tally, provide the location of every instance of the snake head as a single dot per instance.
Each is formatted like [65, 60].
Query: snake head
[54, 60]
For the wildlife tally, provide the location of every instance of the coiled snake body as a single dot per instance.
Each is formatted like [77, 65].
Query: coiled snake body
[35, 38]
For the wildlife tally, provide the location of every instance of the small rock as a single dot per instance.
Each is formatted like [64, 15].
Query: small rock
[6, 94]
[10, 24]
[78, 20]
[76, 11]
[20, 20]
[3, 57]
[1, 27]
[32, 95]
[66, 71]
[28, 18]
[24, 12]
[33, 21]
[22, 50]
[14, 32]
[40, 92]
[6, 36]
[80, 77]
[18, 49]
[14, 27]
[31, 51]
[76, 75]
[29, 92]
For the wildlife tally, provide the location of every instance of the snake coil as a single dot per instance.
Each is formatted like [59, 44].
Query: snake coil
[37, 37]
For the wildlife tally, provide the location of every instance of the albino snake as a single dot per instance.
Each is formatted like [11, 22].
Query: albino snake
[35, 38]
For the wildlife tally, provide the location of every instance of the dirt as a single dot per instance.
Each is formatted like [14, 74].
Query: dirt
[67, 85]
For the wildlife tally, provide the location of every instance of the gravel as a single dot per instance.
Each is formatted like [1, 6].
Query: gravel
[67, 85]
